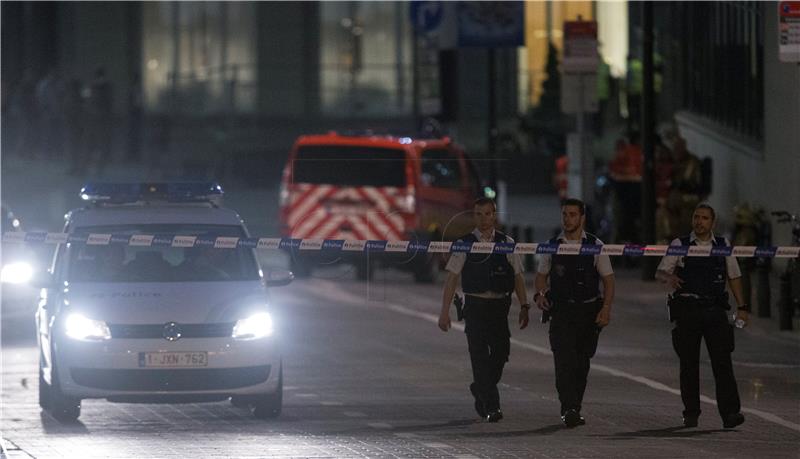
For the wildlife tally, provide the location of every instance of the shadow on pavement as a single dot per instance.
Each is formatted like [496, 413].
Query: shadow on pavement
[546, 430]
[52, 426]
[669, 432]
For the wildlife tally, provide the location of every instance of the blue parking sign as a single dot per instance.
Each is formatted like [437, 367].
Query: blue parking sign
[426, 16]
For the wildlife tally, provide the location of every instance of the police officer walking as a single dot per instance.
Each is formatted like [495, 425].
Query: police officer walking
[576, 309]
[699, 307]
[487, 281]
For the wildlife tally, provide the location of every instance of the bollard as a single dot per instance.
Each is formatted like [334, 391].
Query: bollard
[515, 232]
[785, 311]
[763, 293]
[528, 234]
[746, 266]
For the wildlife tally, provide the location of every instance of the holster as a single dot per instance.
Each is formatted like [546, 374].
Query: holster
[458, 301]
[546, 315]
[678, 306]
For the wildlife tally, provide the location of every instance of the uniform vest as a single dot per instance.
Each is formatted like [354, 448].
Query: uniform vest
[574, 277]
[483, 272]
[704, 276]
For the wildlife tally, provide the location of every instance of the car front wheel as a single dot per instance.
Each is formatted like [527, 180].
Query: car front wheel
[269, 406]
[61, 407]
[44, 391]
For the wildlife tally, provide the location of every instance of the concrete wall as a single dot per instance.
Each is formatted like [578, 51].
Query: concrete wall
[781, 172]
[767, 172]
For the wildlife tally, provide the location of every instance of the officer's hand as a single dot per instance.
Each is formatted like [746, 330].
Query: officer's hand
[603, 317]
[542, 303]
[444, 321]
[523, 318]
[674, 282]
[743, 316]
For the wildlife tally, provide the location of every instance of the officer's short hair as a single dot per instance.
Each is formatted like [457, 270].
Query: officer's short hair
[483, 201]
[575, 202]
[705, 205]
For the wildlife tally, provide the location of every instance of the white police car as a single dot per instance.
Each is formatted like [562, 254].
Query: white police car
[139, 305]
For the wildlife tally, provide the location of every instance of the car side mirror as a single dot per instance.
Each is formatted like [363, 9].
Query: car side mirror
[278, 278]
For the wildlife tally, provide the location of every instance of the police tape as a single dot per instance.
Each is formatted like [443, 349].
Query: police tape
[341, 245]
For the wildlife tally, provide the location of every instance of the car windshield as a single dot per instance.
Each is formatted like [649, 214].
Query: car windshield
[350, 166]
[129, 263]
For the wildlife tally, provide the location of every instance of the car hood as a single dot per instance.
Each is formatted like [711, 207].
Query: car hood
[156, 303]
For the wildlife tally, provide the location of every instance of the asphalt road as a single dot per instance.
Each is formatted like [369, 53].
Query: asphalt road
[368, 374]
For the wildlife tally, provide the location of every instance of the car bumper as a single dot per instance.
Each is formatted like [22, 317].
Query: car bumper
[113, 368]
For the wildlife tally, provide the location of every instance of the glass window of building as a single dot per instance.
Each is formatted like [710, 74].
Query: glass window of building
[199, 57]
[365, 58]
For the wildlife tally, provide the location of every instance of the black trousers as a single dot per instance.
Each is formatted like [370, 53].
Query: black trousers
[712, 324]
[489, 340]
[573, 340]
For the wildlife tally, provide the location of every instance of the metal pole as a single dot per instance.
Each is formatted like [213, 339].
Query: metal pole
[492, 125]
[398, 56]
[415, 78]
[649, 264]
[586, 159]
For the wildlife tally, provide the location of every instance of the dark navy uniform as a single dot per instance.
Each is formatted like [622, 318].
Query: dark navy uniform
[699, 310]
[487, 281]
[574, 304]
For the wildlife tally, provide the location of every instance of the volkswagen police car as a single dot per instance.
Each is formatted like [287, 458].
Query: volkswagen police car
[150, 298]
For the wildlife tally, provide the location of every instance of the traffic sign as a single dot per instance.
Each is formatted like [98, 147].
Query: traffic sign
[580, 46]
[426, 16]
[789, 31]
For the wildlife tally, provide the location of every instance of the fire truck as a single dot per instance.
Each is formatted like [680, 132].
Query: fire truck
[377, 187]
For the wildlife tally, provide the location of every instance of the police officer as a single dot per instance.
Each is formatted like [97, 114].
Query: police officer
[577, 310]
[487, 281]
[698, 308]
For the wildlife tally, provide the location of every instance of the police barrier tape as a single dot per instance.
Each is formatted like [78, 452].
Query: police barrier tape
[522, 248]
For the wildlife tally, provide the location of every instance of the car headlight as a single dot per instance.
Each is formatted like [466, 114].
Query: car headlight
[82, 328]
[256, 326]
[16, 273]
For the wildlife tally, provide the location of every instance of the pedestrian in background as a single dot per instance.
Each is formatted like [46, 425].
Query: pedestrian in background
[663, 181]
[101, 125]
[698, 306]
[49, 98]
[74, 121]
[687, 181]
[487, 281]
[625, 170]
[575, 306]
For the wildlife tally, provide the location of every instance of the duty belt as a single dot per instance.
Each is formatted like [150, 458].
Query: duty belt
[573, 301]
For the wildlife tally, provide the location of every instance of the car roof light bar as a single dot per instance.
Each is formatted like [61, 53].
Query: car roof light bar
[118, 193]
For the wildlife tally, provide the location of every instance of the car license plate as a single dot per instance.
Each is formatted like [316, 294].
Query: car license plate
[173, 359]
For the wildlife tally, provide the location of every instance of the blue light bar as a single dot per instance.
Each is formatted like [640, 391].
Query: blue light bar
[134, 192]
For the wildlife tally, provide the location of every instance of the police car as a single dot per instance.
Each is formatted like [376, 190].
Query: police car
[150, 300]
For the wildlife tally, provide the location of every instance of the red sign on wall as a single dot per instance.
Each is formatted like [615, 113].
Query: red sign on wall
[789, 31]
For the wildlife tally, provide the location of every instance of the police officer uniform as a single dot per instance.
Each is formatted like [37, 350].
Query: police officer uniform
[487, 281]
[575, 301]
[699, 309]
